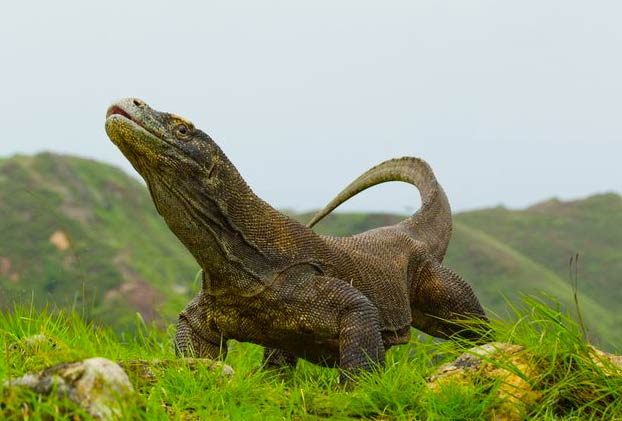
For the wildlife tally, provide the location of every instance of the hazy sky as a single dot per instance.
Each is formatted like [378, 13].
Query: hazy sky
[511, 102]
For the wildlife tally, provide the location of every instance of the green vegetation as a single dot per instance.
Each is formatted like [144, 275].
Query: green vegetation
[547, 235]
[568, 382]
[81, 234]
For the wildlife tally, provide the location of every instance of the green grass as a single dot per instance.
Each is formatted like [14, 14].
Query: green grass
[571, 385]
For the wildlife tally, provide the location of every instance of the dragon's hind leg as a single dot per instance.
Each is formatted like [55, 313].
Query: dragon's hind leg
[444, 305]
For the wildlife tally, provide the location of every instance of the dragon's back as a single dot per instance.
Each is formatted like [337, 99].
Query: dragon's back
[381, 268]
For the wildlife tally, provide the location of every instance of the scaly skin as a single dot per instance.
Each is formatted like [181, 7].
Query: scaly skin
[274, 282]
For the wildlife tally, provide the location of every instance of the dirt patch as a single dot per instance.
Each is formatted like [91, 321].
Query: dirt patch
[142, 296]
[136, 291]
[60, 240]
[5, 266]
[5, 269]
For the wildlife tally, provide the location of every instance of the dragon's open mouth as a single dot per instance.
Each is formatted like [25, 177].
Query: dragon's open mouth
[133, 121]
[118, 111]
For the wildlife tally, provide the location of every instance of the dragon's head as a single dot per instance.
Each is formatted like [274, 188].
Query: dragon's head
[155, 141]
[176, 159]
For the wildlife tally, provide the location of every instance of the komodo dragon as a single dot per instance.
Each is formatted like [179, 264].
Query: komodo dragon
[270, 280]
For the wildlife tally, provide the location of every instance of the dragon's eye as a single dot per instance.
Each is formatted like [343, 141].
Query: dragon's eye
[182, 130]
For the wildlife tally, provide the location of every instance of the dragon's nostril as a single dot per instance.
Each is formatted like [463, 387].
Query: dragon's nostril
[139, 103]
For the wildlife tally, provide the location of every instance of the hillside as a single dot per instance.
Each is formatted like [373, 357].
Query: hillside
[83, 234]
[79, 233]
[550, 232]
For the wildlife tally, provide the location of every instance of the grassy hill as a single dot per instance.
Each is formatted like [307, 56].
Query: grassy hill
[84, 234]
[564, 379]
[79, 233]
[550, 232]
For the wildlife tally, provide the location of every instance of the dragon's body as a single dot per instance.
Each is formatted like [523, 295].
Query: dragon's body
[274, 282]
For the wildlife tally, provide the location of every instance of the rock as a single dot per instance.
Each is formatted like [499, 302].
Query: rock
[33, 344]
[514, 367]
[147, 371]
[97, 385]
[492, 362]
[610, 364]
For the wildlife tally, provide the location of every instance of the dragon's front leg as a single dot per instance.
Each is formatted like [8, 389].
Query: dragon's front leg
[195, 336]
[333, 310]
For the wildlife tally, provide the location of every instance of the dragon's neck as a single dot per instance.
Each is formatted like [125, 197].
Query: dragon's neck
[231, 234]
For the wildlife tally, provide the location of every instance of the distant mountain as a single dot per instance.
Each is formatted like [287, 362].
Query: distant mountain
[76, 232]
[550, 232]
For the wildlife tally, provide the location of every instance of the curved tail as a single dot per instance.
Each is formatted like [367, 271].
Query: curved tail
[431, 224]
